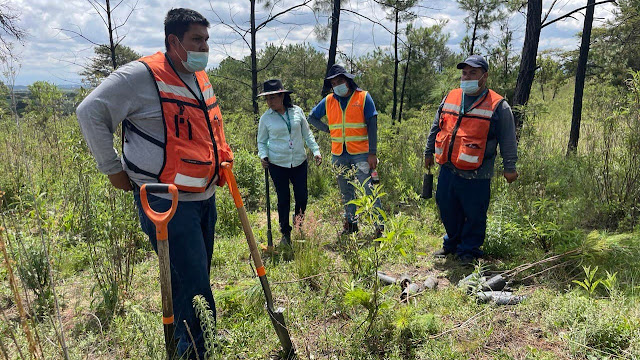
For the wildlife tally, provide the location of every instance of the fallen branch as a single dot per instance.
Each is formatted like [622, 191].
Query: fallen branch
[461, 325]
[309, 277]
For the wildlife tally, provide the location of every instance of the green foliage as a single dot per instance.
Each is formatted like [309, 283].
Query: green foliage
[311, 259]
[250, 178]
[44, 102]
[614, 47]
[300, 67]
[207, 322]
[33, 270]
[590, 283]
[101, 65]
[481, 14]
[592, 326]
[550, 74]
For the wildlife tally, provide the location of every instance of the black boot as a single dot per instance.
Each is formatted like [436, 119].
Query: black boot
[285, 240]
[349, 228]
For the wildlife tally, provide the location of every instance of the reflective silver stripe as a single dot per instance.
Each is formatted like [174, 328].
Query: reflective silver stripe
[357, 138]
[337, 139]
[468, 158]
[450, 107]
[355, 125]
[480, 112]
[175, 90]
[185, 180]
[439, 151]
[208, 93]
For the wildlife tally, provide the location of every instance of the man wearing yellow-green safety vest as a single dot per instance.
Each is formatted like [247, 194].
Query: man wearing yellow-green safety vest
[352, 122]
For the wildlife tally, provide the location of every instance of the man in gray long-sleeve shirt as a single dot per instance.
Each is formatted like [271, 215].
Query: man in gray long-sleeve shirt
[469, 125]
[172, 133]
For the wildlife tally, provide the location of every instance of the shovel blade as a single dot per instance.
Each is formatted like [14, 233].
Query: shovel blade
[277, 319]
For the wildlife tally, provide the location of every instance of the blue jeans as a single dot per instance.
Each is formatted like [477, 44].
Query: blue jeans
[191, 232]
[281, 177]
[463, 205]
[360, 164]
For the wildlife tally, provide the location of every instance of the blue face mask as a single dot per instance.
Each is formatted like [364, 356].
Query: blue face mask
[469, 86]
[196, 60]
[341, 90]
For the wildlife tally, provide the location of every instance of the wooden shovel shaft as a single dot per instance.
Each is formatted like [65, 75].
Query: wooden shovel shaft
[277, 318]
[161, 221]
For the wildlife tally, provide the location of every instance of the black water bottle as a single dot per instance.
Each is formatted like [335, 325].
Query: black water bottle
[427, 186]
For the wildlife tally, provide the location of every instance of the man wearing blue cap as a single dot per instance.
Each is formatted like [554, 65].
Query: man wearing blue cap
[352, 121]
[469, 125]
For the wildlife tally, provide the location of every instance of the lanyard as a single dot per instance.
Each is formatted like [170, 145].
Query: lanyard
[286, 121]
[462, 109]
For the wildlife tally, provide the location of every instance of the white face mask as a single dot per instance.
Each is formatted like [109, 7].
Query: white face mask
[196, 60]
[470, 86]
[341, 90]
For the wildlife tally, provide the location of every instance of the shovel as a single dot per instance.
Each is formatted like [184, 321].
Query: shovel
[277, 317]
[160, 220]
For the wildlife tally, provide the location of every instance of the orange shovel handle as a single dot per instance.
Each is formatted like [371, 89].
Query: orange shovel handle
[233, 186]
[160, 219]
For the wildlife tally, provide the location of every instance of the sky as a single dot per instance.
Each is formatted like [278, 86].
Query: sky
[50, 53]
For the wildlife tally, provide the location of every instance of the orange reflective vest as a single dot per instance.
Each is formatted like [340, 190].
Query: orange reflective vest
[194, 143]
[462, 139]
[348, 127]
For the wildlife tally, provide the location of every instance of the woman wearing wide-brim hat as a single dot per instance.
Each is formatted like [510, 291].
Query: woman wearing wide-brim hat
[282, 133]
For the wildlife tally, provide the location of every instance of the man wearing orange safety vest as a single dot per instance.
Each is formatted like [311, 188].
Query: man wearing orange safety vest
[353, 126]
[172, 132]
[469, 125]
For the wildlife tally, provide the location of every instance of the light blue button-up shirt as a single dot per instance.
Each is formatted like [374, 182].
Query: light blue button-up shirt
[281, 147]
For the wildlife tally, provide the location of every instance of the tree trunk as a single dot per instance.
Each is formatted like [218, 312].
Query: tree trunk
[395, 70]
[473, 36]
[527, 60]
[404, 83]
[254, 62]
[112, 46]
[574, 135]
[333, 44]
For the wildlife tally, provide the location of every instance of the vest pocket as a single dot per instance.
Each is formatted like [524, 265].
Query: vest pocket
[470, 154]
[441, 147]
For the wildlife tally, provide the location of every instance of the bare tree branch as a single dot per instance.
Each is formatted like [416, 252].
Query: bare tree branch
[575, 11]
[548, 12]
[232, 79]
[264, 23]
[80, 35]
[95, 7]
[369, 19]
[277, 51]
[236, 29]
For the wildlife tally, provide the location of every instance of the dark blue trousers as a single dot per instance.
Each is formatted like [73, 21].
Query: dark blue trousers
[463, 205]
[191, 232]
[281, 177]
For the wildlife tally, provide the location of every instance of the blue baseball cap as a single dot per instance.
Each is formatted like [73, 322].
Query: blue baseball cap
[475, 61]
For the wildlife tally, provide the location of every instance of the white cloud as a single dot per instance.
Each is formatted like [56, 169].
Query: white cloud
[48, 53]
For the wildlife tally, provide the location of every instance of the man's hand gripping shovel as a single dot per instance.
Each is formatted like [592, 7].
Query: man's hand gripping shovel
[277, 317]
[161, 220]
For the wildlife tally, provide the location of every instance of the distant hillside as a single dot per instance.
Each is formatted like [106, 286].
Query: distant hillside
[65, 87]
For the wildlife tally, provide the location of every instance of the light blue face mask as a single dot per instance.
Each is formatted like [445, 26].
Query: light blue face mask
[341, 90]
[469, 86]
[196, 60]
